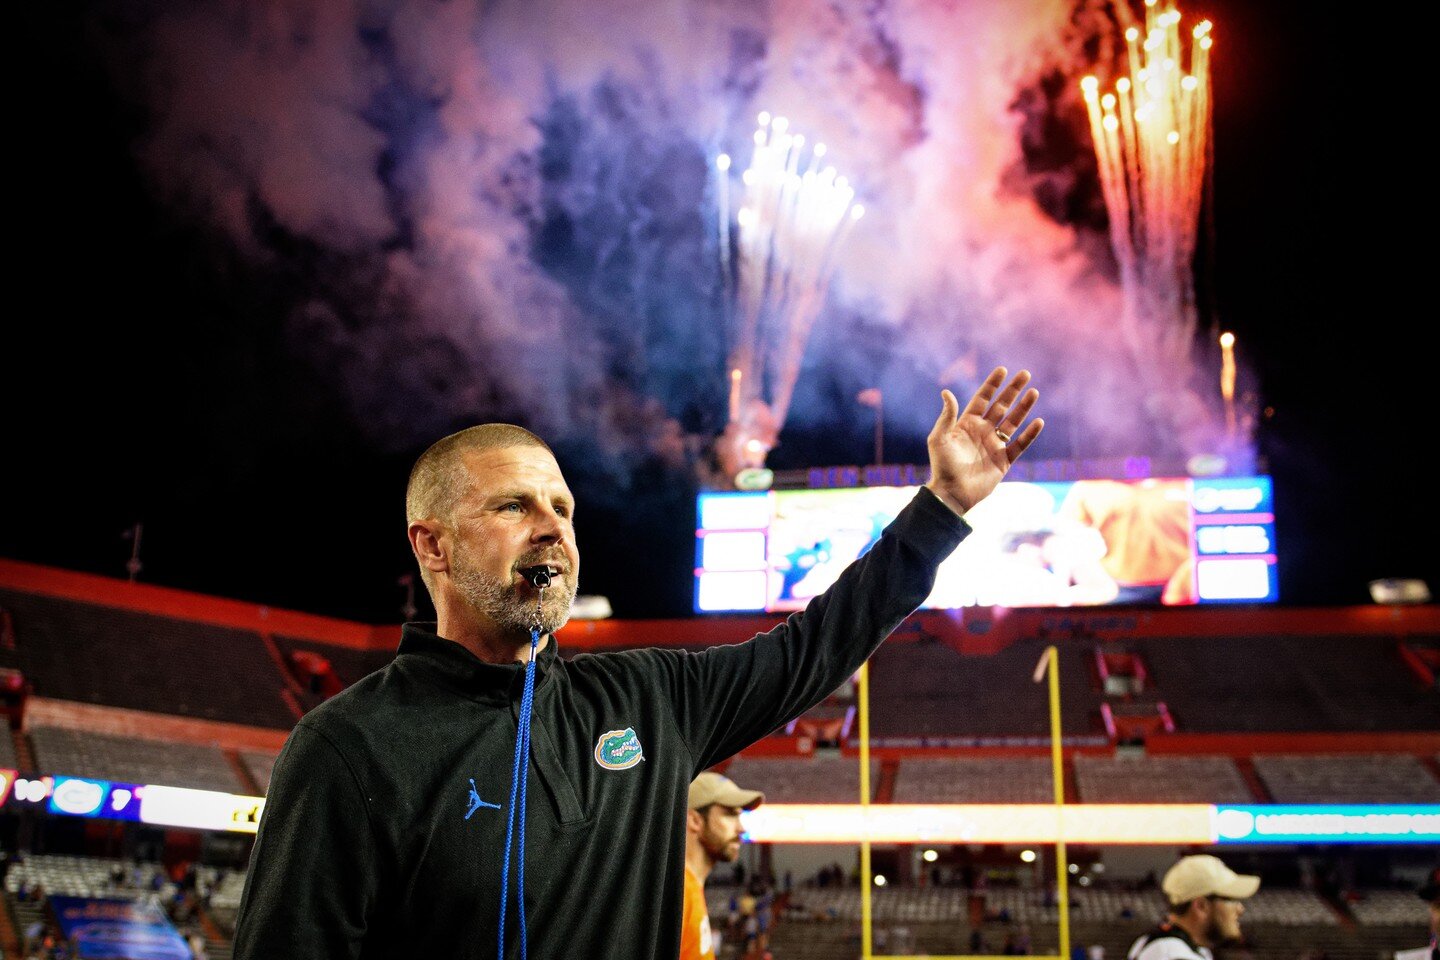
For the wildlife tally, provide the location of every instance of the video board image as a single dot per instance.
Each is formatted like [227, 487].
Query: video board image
[1160, 541]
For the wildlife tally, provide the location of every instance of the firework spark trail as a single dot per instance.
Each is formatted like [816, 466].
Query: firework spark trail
[1151, 135]
[1227, 380]
[789, 227]
[472, 185]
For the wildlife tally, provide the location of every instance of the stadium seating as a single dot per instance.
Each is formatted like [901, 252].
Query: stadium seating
[1034, 907]
[840, 938]
[89, 877]
[1105, 905]
[1353, 778]
[349, 665]
[921, 690]
[225, 900]
[126, 760]
[1279, 924]
[1159, 779]
[1382, 907]
[924, 693]
[1291, 908]
[8, 760]
[818, 779]
[977, 780]
[226, 893]
[259, 765]
[94, 654]
[1288, 684]
[927, 689]
[109, 878]
[1026, 906]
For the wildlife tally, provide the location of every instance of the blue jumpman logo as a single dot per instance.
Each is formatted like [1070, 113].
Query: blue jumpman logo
[476, 803]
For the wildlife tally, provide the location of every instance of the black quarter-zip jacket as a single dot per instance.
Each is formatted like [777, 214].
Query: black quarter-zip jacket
[374, 843]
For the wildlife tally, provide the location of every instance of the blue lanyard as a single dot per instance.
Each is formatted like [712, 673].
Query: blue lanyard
[519, 777]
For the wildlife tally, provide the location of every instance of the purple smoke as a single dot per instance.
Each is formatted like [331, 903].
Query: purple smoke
[505, 210]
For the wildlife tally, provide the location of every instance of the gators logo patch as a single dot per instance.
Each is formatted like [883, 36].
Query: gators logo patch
[618, 749]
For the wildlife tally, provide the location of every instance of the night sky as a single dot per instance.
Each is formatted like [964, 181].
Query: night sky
[149, 375]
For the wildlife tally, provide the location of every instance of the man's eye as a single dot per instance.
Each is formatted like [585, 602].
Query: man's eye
[513, 506]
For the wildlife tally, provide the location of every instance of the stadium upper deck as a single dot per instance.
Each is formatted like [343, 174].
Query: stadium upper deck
[1246, 688]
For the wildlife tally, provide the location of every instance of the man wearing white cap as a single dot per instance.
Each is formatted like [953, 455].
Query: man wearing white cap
[712, 835]
[1205, 909]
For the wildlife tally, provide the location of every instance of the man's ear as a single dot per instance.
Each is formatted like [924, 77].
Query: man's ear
[425, 543]
[693, 821]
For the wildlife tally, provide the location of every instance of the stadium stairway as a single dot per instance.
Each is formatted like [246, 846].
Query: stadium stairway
[1246, 766]
[217, 945]
[1338, 907]
[242, 773]
[23, 914]
[24, 753]
[290, 692]
[885, 789]
[9, 934]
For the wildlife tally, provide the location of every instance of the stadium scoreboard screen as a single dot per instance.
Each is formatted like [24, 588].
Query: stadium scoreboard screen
[1170, 541]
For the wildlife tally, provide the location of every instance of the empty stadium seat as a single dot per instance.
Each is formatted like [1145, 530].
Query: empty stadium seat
[140, 661]
[72, 876]
[1159, 779]
[927, 689]
[1348, 778]
[106, 757]
[1292, 908]
[1384, 907]
[818, 779]
[1284, 684]
[8, 759]
[974, 780]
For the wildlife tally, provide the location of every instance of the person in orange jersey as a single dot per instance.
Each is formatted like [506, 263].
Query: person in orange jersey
[712, 835]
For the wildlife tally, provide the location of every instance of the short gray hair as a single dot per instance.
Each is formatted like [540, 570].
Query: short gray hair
[438, 478]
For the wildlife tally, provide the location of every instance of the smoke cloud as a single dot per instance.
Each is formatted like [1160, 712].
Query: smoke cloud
[506, 210]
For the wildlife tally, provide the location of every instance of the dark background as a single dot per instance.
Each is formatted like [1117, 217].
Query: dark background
[146, 375]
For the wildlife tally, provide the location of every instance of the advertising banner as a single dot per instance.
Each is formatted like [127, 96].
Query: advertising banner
[118, 929]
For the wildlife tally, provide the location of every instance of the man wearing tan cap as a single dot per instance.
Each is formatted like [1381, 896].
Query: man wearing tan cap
[1205, 909]
[712, 835]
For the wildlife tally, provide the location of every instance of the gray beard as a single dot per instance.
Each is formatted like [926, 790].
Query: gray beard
[503, 605]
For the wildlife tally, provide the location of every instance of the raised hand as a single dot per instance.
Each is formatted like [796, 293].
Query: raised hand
[971, 450]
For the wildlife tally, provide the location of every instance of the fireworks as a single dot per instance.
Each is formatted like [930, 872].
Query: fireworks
[1227, 380]
[1151, 137]
[796, 212]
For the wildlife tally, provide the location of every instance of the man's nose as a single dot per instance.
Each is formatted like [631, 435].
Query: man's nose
[549, 527]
